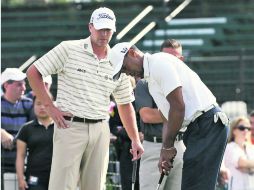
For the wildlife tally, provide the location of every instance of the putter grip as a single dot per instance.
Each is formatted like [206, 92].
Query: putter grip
[134, 170]
[161, 178]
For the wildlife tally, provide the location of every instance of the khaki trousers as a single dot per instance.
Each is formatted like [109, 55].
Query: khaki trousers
[149, 172]
[80, 156]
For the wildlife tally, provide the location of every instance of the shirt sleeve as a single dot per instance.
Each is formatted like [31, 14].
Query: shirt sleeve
[23, 134]
[165, 73]
[232, 155]
[142, 96]
[123, 93]
[53, 62]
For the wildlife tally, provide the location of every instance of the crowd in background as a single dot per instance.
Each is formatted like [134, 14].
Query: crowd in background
[19, 136]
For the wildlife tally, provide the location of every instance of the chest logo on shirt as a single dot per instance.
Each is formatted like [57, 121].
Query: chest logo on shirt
[81, 70]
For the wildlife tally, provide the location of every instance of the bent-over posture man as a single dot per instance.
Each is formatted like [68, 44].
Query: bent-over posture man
[185, 101]
[81, 137]
[152, 124]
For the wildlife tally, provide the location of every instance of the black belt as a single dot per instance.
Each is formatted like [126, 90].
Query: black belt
[155, 139]
[79, 119]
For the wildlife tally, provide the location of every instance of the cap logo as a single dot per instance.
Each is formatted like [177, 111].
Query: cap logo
[105, 15]
[124, 50]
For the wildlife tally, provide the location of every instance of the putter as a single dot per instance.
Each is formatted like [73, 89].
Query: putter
[134, 171]
[160, 180]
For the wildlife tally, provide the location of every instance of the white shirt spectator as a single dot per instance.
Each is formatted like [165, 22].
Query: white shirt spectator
[239, 180]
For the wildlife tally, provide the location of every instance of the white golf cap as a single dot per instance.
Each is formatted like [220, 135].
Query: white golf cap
[103, 18]
[116, 56]
[47, 79]
[12, 74]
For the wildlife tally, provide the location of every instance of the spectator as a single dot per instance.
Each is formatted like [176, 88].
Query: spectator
[35, 140]
[47, 82]
[186, 102]
[239, 156]
[152, 124]
[171, 46]
[15, 111]
[85, 84]
[252, 126]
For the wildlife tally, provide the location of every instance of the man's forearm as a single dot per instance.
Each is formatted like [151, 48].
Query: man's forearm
[128, 118]
[173, 126]
[37, 85]
[150, 115]
[175, 117]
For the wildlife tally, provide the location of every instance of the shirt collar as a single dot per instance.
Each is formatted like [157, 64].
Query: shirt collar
[146, 65]
[40, 123]
[87, 45]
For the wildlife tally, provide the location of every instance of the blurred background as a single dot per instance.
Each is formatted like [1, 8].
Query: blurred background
[216, 35]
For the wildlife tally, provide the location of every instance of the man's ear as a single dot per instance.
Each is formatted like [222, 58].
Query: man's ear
[90, 26]
[4, 86]
[132, 52]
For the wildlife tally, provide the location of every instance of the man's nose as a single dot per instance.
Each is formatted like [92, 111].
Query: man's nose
[23, 87]
[104, 32]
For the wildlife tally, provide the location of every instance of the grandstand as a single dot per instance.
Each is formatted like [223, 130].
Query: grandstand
[217, 36]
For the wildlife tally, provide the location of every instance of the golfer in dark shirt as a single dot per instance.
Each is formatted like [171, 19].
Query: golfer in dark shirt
[35, 139]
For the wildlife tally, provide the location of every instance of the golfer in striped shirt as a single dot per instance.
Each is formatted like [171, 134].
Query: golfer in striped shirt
[85, 83]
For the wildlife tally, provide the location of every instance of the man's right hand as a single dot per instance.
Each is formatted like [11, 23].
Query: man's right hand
[58, 116]
[23, 185]
[6, 139]
[136, 150]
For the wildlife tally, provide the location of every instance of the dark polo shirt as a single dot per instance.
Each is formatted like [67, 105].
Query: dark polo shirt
[39, 141]
[144, 99]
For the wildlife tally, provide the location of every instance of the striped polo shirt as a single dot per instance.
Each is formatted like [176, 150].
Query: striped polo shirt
[84, 82]
[14, 115]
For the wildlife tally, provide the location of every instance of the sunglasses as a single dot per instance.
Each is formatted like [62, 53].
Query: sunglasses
[243, 128]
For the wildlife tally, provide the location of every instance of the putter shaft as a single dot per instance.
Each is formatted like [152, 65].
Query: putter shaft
[160, 180]
[134, 171]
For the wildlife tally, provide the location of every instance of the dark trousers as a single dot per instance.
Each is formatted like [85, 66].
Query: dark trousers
[205, 143]
[38, 187]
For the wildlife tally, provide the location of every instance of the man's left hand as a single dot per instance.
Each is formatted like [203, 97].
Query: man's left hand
[166, 159]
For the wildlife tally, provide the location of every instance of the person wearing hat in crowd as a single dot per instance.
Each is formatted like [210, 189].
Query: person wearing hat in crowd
[85, 83]
[185, 101]
[16, 110]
